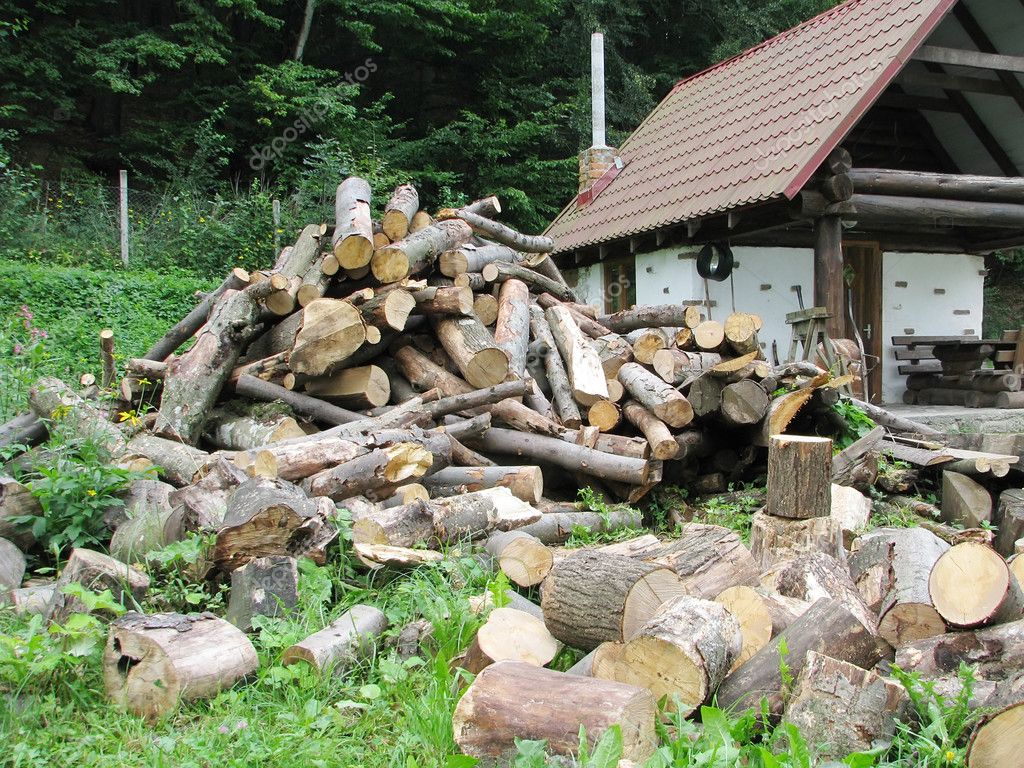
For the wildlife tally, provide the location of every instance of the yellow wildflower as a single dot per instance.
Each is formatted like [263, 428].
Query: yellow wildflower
[950, 755]
[90, 492]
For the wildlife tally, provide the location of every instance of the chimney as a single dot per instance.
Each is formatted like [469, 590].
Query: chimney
[596, 161]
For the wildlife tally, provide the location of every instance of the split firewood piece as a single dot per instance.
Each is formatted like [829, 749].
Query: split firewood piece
[16, 500]
[827, 627]
[843, 707]
[351, 637]
[744, 403]
[590, 597]
[194, 381]
[554, 366]
[444, 300]
[239, 432]
[665, 402]
[521, 556]
[675, 366]
[473, 515]
[753, 616]
[741, 332]
[525, 482]
[418, 250]
[52, 399]
[890, 568]
[1011, 520]
[266, 517]
[330, 331]
[815, 575]
[970, 585]
[12, 566]
[352, 241]
[682, 652]
[705, 396]
[489, 719]
[407, 525]
[512, 327]
[152, 521]
[614, 352]
[582, 363]
[663, 443]
[708, 559]
[997, 741]
[655, 316]
[265, 586]
[799, 477]
[96, 572]
[185, 328]
[852, 510]
[773, 539]
[510, 635]
[364, 387]
[151, 663]
[964, 501]
[378, 472]
[995, 653]
[499, 233]
[646, 343]
[557, 527]
[425, 374]
[471, 258]
[587, 324]
[473, 350]
[399, 211]
[781, 412]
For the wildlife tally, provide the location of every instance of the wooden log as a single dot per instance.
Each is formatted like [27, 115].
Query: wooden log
[675, 366]
[473, 515]
[522, 418]
[814, 575]
[327, 332]
[705, 396]
[176, 463]
[526, 483]
[744, 403]
[151, 663]
[152, 522]
[998, 739]
[314, 283]
[604, 415]
[472, 258]
[589, 598]
[896, 423]
[843, 707]
[265, 586]
[614, 352]
[970, 585]
[419, 250]
[1010, 514]
[501, 271]
[444, 300]
[485, 308]
[425, 374]
[656, 316]
[388, 309]
[663, 401]
[96, 572]
[751, 613]
[510, 635]
[557, 527]
[561, 390]
[499, 233]
[378, 472]
[683, 652]
[184, 329]
[852, 510]
[709, 335]
[512, 327]
[239, 432]
[740, 331]
[352, 241]
[472, 280]
[257, 389]
[1010, 400]
[708, 559]
[408, 525]
[473, 350]
[587, 324]
[16, 500]
[26, 429]
[995, 653]
[775, 539]
[522, 557]
[964, 501]
[799, 477]
[663, 444]
[107, 363]
[12, 566]
[827, 627]
[364, 387]
[582, 363]
[489, 719]
[647, 342]
[399, 211]
[52, 399]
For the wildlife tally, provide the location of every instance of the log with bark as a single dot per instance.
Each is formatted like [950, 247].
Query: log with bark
[52, 399]
[665, 402]
[799, 477]
[352, 241]
[582, 363]
[365, 387]
[12, 566]
[970, 585]
[472, 258]
[473, 350]
[525, 482]
[751, 612]
[773, 539]
[964, 501]
[265, 586]
[521, 556]
[708, 559]
[96, 572]
[16, 500]
[418, 251]
[476, 514]
[378, 472]
[152, 521]
[512, 328]
[554, 367]
[510, 635]
[998, 740]
[815, 575]
[399, 211]
[349, 638]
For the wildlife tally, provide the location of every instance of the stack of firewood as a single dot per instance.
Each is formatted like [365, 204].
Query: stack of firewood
[981, 388]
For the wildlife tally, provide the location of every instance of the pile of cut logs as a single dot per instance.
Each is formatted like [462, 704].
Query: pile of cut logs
[981, 388]
[436, 377]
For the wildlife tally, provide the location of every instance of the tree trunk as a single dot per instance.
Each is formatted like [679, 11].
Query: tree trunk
[799, 477]
[684, 650]
[708, 559]
[582, 363]
[510, 635]
[490, 716]
[589, 597]
[557, 376]
[526, 482]
[473, 350]
[774, 539]
[352, 241]
[151, 663]
[970, 585]
[654, 394]
[96, 572]
[417, 251]
[997, 741]
[399, 211]
[964, 501]
[744, 404]
[512, 328]
[201, 506]
[752, 615]
[521, 556]
[365, 387]
[266, 586]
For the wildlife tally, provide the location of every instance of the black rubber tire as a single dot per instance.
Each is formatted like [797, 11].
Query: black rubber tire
[715, 262]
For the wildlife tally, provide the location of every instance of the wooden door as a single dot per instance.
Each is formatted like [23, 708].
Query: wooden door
[863, 267]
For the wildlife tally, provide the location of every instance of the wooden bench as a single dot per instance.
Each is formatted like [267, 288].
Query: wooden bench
[918, 352]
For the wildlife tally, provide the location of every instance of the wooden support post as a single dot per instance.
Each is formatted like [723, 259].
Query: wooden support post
[123, 200]
[829, 290]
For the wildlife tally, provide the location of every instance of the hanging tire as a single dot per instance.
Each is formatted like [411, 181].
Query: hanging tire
[715, 262]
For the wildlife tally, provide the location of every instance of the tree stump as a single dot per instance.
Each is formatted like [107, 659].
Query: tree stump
[799, 477]
[265, 586]
[352, 636]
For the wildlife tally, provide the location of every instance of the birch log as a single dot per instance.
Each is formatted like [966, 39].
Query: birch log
[352, 241]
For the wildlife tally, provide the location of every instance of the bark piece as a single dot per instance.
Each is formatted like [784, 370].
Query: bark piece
[815, 575]
[590, 598]
[521, 556]
[489, 717]
[665, 402]
[352, 636]
[352, 241]
[96, 572]
[510, 635]
[708, 559]
[684, 651]
[151, 663]
[971, 585]
[265, 586]
[773, 539]
[799, 477]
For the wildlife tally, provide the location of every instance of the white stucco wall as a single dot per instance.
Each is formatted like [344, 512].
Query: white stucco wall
[943, 293]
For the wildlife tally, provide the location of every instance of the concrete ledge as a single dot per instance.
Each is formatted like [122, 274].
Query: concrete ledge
[953, 418]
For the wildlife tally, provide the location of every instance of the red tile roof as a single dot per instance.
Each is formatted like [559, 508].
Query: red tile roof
[754, 127]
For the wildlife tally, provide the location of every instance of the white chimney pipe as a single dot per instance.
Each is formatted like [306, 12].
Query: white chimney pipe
[597, 89]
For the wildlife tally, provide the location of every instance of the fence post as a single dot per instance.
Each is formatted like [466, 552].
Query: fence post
[123, 174]
[276, 208]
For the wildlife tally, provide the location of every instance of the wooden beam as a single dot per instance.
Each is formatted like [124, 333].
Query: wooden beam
[882, 181]
[1001, 244]
[829, 290]
[953, 83]
[984, 44]
[936, 213]
[974, 59]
